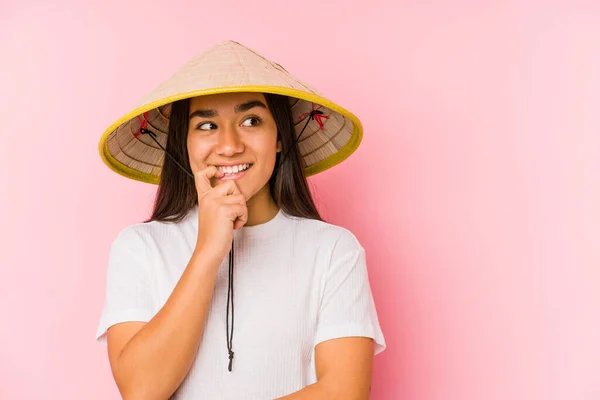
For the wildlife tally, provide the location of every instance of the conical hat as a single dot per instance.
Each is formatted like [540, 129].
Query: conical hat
[224, 68]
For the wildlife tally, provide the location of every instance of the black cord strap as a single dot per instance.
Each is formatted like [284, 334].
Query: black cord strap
[230, 295]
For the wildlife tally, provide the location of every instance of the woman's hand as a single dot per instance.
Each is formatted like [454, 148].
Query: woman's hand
[221, 209]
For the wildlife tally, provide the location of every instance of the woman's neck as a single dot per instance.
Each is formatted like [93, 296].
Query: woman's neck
[261, 207]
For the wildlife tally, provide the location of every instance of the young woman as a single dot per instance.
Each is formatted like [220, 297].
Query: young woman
[236, 288]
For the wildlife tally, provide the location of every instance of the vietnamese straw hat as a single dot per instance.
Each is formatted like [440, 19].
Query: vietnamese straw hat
[227, 67]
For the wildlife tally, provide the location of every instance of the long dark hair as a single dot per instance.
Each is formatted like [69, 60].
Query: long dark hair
[177, 194]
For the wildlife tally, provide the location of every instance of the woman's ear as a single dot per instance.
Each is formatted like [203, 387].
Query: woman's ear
[279, 146]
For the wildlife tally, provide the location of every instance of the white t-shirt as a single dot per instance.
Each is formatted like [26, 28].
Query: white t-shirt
[297, 282]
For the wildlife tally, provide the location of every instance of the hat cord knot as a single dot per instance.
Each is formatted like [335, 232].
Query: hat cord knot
[315, 114]
[231, 353]
[143, 126]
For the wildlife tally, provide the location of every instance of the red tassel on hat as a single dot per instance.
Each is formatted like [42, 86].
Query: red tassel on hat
[317, 116]
[143, 124]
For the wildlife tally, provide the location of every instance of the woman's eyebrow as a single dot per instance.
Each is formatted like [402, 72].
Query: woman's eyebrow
[249, 105]
[238, 109]
[204, 114]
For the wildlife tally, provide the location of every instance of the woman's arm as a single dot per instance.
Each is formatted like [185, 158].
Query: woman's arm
[344, 367]
[150, 360]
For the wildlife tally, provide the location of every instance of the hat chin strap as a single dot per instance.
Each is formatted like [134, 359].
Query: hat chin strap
[153, 136]
[143, 130]
[310, 116]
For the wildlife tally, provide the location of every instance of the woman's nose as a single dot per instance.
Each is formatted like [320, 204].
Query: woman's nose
[229, 142]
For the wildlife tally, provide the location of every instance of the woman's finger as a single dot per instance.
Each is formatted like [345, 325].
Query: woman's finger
[225, 189]
[234, 199]
[239, 215]
[203, 178]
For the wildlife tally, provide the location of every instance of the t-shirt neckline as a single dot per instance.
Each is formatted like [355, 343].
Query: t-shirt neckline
[264, 230]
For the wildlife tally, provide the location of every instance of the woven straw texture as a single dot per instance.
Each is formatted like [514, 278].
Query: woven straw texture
[224, 68]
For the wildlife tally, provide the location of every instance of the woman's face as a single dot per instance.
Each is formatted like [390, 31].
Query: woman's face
[236, 133]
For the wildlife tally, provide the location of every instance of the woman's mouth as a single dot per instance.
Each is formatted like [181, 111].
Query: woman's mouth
[233, 172]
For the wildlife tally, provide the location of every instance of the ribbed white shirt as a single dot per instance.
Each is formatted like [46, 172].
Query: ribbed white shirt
[297, 282]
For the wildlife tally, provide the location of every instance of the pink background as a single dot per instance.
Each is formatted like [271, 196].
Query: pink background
[476, 191]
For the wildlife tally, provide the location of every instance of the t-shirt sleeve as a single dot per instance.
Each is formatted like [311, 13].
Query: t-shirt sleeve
[347, 307]
[128, 283]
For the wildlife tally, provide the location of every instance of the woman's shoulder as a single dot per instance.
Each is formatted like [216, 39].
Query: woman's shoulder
[133, 236]
[325, 232]
[153, 231]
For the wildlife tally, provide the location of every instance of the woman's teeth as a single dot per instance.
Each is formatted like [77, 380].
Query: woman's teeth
[234, 169]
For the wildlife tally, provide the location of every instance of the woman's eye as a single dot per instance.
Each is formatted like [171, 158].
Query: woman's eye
[206, 126]
[252, 121]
